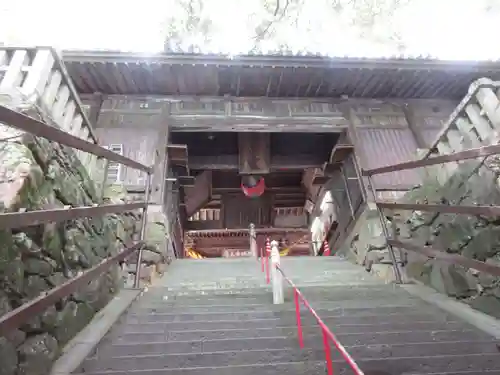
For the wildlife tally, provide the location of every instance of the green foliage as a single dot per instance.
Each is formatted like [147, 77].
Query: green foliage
[277, 23]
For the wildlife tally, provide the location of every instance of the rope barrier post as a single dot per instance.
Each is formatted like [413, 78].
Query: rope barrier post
[326, 252]
[253, 242]
[328, 354]
[267, 251]
[143, 231]
[299, 321]
[277, 278]
[261, 259]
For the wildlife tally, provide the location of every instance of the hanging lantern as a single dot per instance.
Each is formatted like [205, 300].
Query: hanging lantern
[252, 186]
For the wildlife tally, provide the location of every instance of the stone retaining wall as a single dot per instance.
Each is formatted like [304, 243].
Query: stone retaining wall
[476, 237]
[37, 174]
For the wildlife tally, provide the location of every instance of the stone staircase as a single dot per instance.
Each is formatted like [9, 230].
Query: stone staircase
[216, 317]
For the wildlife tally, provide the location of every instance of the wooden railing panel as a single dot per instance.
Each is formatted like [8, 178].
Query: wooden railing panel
[36, 78]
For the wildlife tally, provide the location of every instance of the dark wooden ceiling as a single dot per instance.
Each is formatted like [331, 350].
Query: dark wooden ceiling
[290, 155]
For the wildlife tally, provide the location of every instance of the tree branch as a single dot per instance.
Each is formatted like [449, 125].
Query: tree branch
[260, 35]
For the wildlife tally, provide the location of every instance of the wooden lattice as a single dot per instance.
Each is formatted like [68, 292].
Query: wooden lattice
[36, 77]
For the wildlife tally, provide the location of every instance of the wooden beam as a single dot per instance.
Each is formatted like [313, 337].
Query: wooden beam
[177, 154]
[95, 108]
[231, 181]
[186, 181]
[340, 152]
[277, 162]
[415, 128]
[200, 193]
[203, 225]
[253, 123]
[311, 181]
[320, 180]
[288, 204]
[254, 153]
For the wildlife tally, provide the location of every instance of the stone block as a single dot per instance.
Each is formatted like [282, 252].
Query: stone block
[419, 270]
[422, 236]
[477, 237]
[450, 280]
[8, 355]
[488, 304]
[482, 189]
[384, 272]
[485, 244]
[39, 174]
[151, 257]
[36, 354]
[452, 232]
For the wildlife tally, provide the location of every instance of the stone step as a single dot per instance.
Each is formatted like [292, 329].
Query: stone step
[352, 280]
[173, 361]
[451, 342]
[313, 293]
[257, 275]
[255, 305]
[414, 357]
[288, 320]
[266, 298]
[332, 292]
[293, 368]
[366, 314]
[139, 336]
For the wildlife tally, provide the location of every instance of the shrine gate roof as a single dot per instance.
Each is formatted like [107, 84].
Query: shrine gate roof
[272, 76]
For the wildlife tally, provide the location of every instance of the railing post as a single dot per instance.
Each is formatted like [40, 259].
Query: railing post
[143, 231]
[297, 315]
[267, 252]
[277, 278]
[397, 273]
[326, 251]
[261, 250]
[328, 354]
[253, 242]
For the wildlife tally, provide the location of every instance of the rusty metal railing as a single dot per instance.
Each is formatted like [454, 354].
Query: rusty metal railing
[17, 120]
[475, 121]
[17, 317]
[441, 208]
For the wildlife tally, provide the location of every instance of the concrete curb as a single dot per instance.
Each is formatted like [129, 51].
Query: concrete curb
[75, 352]
[481, 321]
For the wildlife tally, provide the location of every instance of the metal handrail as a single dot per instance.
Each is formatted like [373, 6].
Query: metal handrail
[442, 208]
[456, 156]
[17, 317]
[11, 220]
[439, 254]
[23, 313]
[38, 128]
[327, 334]
[480, 152]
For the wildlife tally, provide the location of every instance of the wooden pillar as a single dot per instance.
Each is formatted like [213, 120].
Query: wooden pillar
[100, 172]
[415, 127]
[160, 160]
[359, 157]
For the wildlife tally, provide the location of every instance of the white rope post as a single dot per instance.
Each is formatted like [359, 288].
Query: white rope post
[253, 242]
[277, 277]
